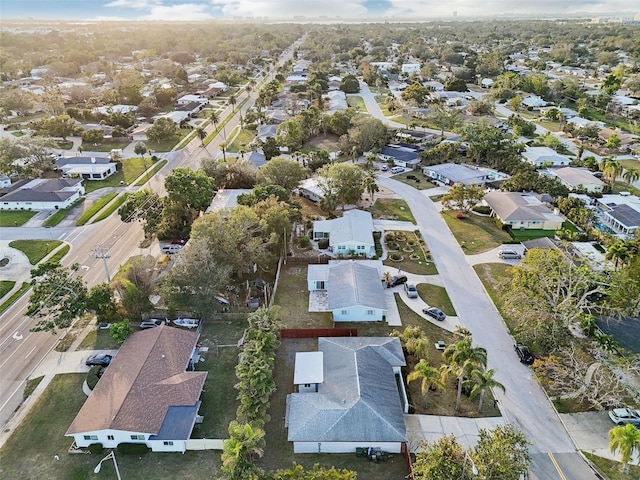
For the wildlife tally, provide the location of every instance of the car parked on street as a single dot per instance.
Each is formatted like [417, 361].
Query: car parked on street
[152, 323]
[98, 359]
[622, 416]
[397, 280]
[434, 313]
[411, 290]
[524, 354]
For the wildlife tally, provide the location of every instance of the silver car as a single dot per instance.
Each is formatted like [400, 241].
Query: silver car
[411, 290]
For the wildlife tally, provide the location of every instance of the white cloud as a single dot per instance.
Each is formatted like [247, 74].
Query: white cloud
[140, 4]
[182, 12]
[289, 8]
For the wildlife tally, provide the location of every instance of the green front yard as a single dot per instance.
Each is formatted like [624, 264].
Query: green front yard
[613, 469]
[35, 250]
[392, 209]
[436, 296]
[356, 101]
[241, 141]
[474, 233]
[420, 183]
[15, 218]
[132, 168]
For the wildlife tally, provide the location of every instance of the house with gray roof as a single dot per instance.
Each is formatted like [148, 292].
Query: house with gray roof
[522, 211]
[578, 178]
[89, 168]
[402, 154]
[621, 212]
[453, 173]
[540, 156]
[42, 194]
[352, 289]
[360, 399]
[149, 394]
[353, 232]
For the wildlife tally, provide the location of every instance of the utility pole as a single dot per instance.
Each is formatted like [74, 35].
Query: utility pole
[101, 252]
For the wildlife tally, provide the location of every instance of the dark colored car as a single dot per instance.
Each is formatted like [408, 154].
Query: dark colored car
[524, 354]
[435, 313]
[151, 323]
[98, 359]
[397, 280]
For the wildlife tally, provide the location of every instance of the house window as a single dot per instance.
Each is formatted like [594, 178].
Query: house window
[91, 437]
[320, 285]
[137, 437]
[360, 247]
[341, 247]
[110, 437]
[370, 313]
[344, 312]
[167, 444]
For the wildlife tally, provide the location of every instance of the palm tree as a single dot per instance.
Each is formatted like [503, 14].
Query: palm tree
[611, 169]
[370, 185]
[233, 101]
[631, 175]
[223, 147]
[618, 252]
[140, 148]
[430, 378]
[386, 277]
[625, 440]
[482, 380]
[460, 358]
[202, 134]
[243, 444]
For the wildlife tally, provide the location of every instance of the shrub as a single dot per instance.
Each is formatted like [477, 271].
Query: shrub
[133, 448]
[323, 243]
[93, 375]
[304, 242]
[395, 257]
[393, 245]
[389, 237]
[95, 448]
[483, 209]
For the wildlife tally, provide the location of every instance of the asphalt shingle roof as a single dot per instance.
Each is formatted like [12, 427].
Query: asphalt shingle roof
[351, 284]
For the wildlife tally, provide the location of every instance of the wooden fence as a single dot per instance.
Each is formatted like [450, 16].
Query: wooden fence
[322, 259]
[318, 332]
[407, 458]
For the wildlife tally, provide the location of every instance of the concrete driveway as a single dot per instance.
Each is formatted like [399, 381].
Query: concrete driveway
[421, 428]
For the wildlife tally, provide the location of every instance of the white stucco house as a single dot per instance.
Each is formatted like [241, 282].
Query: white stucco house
[579, 178]
[521, 211]
[541, 156]
[621, 212]
[351, 234]
[42, 194]
[358, 398]
[89, 168]
[453, 173]
[309, 189]
[149, 394]
[352, 289]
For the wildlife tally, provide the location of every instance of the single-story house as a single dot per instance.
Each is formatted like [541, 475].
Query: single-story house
[267, 131]
[175, 116]
[89, 168]
[257, 158]
[358, 397]
[350, 233]
[149, 394]
[337, 100]
[579, 178]
[42, 194]
[453, 173]
[486, 82]
[620, 212]
[534, 102]
[226, 198]
[540, 156]
[522, 211]
[124, 109]
[415, 136]
[580, 123]
[434, 86]
[403, 155]
[353, 287]
[139, 134]
[542, 242]
[187, 99]
[626, 139]
[309, 189]
[192, 108]
[409, 68]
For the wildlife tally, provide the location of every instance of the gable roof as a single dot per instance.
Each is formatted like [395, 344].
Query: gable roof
[358, 399]
[538, 155]
[459, 173]
[354, 226]
[514, 206]
[350, 283]
[43, 190]
[577, 176]
[145, 379]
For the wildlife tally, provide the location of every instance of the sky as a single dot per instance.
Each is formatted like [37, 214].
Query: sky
[189, 10]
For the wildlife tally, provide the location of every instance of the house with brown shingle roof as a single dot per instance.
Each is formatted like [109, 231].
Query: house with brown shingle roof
[149, 394]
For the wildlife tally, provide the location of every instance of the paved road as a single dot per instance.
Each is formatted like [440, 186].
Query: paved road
[524, 404]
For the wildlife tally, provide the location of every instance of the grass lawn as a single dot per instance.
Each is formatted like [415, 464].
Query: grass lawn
[150, 173]
[392, 209]
[474, 233]
[113, 207]
[9, 301]
[5, 287]
[103, 147]
[613, 470]
[436, 296]
[524, 235]
[625, 187]
[328, 142]
[30, 451]
[98, 340]
[421, 183]
[61, 214]
[132, 168]
[95, 208]
[168, 144]
[630, 163]
[549, 125]
[356, 102]
[494, 277]
[15, 218]
[241, 140]
[35, 250]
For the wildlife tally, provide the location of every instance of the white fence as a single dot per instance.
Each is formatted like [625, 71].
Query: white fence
[204, 444]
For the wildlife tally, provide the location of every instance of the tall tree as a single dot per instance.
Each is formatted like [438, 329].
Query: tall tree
[625, 441]
[370, 185]
[461, 357]
[463, 197]
[190, 188]
[341, 181]
[243, 444]
[631, 175]
[502, 453]
[443, 458]
[482, 380]
[282, 171]
[429, 376]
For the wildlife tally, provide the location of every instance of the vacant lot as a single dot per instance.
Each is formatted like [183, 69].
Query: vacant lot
[328, 142]
[474, 233]
[392, 209]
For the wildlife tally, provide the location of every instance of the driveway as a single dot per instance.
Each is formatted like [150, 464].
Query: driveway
[524, 403]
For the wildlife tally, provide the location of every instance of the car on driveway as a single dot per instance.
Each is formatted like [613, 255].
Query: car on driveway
[524, 354]
[104, 325]
[411, 290]
[151, 323]
[508, 253]
[98, 359]
[622, 416]
[434, 313]
[186, 322]
[397, 280]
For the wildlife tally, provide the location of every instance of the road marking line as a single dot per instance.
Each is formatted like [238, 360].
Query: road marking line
[555, 464]
[30, 352]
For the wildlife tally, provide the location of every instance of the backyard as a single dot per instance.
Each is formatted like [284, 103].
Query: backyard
[474, 233]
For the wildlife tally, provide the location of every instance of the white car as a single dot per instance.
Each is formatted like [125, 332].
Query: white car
[186, 322]
[395, 170]
[509, 254]
[622, 416]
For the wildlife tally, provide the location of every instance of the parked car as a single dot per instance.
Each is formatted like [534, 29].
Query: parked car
[152, 323]
[411, 290]
[384, 168]
[104, 325]
[395, 170]
[621, 416]
[434, 313]
[98, 359]
[171, 248]
[186, 322]
[507, 253]
[524, 354]
[397, 280]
